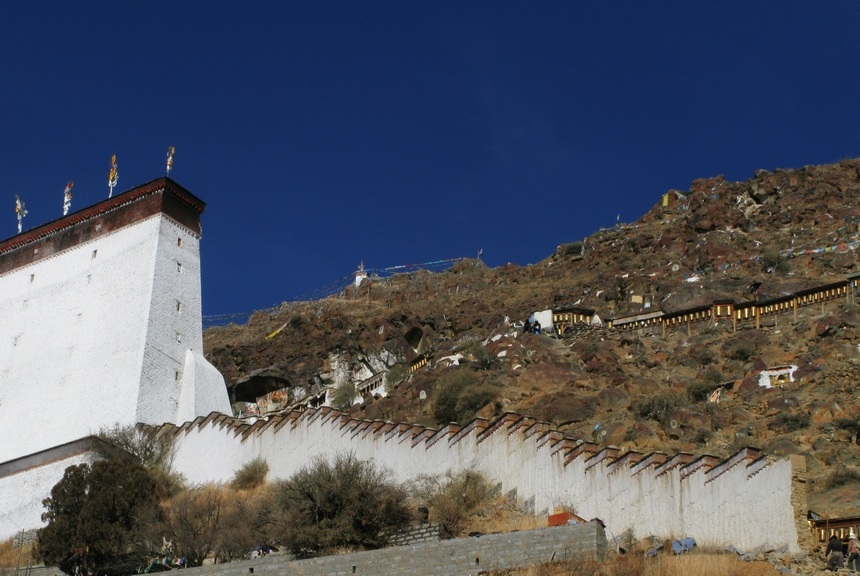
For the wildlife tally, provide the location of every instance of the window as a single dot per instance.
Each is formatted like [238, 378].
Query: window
[178, 306]
[179, 242]
[95, 253]
[179, 267]
[32, 277]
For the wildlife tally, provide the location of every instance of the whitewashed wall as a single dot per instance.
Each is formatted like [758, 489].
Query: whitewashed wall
[98, 334]
[739, 503]
[21, 494]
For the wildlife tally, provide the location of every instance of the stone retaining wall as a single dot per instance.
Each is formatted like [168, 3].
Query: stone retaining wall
[459, 557]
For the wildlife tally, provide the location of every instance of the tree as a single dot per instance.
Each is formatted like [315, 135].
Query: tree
[193, 519]
[153, 450]
[452, 498]
[349, 503]
[91, 517]
[244, 522]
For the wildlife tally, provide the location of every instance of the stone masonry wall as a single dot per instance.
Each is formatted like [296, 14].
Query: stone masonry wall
[460, 557]
[423, 532]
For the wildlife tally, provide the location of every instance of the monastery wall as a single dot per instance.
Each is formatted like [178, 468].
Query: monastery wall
[25, 482]
[100, 311]
[73, 322]
[745, 501]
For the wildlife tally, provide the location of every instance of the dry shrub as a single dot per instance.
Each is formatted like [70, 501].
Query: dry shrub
[344, 396]
[193, 519]
[345, 504]
[501, 515]
[244, 523]
[12, 556]
[209, 520]
[251, 475]
[452, 498]
[458, 395]
[840, 477]
[705, 565]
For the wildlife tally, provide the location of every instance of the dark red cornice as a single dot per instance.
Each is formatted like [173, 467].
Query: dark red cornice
[160, 185]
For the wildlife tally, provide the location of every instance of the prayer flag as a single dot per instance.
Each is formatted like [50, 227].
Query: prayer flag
[67, 197]
[20, 210]
[170, 151]
[113, 176]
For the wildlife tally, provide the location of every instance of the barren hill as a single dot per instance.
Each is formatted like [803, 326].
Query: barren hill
[778, 233]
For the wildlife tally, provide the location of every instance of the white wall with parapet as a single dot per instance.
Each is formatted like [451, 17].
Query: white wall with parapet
[740, 502]
[98, 334]
[21, 494]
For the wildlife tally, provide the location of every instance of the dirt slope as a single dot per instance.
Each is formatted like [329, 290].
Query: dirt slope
[777, 233]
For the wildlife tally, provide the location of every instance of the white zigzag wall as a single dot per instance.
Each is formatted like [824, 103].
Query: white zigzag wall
[745, 501]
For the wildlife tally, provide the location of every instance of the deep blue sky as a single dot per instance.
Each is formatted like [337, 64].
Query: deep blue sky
[325, 133]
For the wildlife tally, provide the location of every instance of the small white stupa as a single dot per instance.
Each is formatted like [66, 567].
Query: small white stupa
[360, 274]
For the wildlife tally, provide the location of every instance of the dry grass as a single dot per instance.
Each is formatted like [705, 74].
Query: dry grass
[697, 564]
[11, 557]
[501, 515]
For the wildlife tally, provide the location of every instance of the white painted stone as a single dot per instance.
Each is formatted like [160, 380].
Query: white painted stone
[729, 510]
[98, 334]
[21, 494]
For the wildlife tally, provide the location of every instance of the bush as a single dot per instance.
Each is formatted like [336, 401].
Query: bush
[840, 477]
[397, 373]
[154, 451]
[344, 396]
[851, 425]
[787, 422]
[658, 407]
[705, 356]
[700, 391]
[244, 523]
[348, 503]
[475, 351]
[151, 449]
[712, 376]
[92, 517]
[457, 396]
[702, 436]
[193, 520]
[452, 498]
[742, 351]
[251, 475]
[772, 261]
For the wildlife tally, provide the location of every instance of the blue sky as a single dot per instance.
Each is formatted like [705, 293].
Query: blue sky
[325, 133]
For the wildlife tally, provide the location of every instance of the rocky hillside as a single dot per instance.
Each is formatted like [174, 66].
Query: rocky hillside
[777, 233]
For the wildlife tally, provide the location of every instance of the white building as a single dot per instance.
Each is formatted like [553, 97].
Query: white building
[102, 322]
